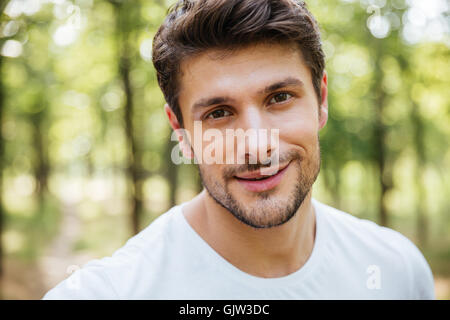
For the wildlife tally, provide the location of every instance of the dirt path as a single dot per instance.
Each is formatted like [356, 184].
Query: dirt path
[24, 280]
[59, 259]
[442, 288]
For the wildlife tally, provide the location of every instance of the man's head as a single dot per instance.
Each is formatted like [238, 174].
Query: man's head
[248, 64]
[194, 26]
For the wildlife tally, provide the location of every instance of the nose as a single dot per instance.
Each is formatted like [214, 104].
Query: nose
[254, 139]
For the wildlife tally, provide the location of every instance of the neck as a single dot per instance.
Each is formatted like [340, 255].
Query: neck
[268, 252]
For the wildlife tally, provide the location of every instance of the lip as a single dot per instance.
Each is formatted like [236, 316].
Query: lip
[261, 185]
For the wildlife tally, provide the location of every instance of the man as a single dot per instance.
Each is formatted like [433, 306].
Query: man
[254, 232]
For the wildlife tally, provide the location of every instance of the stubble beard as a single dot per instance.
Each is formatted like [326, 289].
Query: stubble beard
[268, 209]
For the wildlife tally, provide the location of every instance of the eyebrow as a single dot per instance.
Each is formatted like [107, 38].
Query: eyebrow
[210, 101]
[288, 82]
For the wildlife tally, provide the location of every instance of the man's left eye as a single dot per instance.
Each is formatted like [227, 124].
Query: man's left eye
[280, 97]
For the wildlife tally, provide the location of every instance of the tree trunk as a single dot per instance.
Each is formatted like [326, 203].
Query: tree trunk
[133, 168]
[380, 135]
[422, 219]
[3, 4]
[125, 53]
[2, 101]
[42, 167]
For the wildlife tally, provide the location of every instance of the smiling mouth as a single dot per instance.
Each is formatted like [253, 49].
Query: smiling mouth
[256, 182]
[265, 177]
[256, 175]
[254, 179]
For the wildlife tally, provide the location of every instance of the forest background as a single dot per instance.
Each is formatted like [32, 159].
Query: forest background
[85, 145]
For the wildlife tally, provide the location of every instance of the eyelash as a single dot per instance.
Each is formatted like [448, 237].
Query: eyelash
[270, 98]
[218, 109]
[281, 92]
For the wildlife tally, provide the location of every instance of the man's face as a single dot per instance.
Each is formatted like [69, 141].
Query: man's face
[259, 87]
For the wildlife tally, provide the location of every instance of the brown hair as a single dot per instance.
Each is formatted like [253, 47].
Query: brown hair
[193, 26]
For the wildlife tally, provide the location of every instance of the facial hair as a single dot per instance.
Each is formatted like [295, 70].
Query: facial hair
[268, 210]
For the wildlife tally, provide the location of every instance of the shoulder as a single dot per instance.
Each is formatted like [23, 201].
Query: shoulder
[378, 243]
[114, 276]
[345, 226]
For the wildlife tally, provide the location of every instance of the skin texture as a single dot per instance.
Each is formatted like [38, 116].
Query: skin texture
[271, 233]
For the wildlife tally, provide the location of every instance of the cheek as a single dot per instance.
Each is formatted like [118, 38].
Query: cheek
[300, 128]
[212, 172]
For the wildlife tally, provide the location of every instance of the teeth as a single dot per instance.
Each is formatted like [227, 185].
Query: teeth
[260, 178]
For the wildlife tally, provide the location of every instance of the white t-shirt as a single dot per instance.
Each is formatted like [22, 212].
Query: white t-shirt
[351, 259]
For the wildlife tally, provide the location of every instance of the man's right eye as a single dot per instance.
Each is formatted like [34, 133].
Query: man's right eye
[218, 113]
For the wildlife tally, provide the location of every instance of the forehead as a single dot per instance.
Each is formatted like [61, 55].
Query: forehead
[242, 70]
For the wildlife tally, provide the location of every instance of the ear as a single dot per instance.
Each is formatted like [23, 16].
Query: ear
[181, 133]
[323, 109]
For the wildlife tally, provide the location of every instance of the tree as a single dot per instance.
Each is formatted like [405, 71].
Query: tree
[126, 18]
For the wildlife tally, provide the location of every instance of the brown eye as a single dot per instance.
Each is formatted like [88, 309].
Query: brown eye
[280, 97]
[218, 113]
